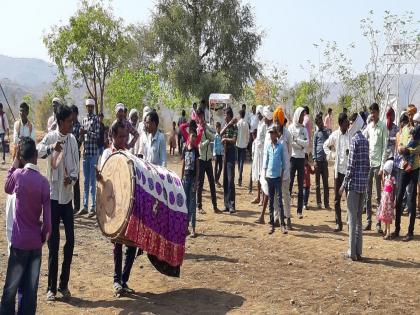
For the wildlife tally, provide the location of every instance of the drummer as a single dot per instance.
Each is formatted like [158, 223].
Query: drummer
[119, 136]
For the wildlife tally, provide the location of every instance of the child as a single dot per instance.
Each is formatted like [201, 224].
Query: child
[28, 235]
[190, 172]
[218, 154]
[386, 208]
[307, 182]
[119, 142]
[273, 166]
[172, 139]
[409, 158]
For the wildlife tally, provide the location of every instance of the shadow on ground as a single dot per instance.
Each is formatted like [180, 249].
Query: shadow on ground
[182, 301]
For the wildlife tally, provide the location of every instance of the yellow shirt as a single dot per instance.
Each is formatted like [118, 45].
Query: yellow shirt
[405, 138]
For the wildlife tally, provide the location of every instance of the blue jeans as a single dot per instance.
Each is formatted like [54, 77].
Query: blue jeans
[306, 193]
[89, 166]
[274, 189]
[23, 273]
[191, 197]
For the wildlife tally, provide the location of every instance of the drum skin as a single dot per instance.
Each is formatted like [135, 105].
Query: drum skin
[114, 195]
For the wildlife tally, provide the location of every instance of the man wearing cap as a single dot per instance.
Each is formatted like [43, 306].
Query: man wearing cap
[121, 117]
[300, 142]
[52, 122]
[89, 133]
[407, 179]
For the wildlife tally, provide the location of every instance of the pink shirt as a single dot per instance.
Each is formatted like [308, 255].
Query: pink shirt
[328, 122]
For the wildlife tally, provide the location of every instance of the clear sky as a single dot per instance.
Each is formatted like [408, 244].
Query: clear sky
[290, 26]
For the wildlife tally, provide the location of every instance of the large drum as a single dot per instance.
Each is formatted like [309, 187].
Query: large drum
[143, 205]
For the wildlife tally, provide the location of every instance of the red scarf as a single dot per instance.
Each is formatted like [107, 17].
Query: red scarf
[388, 118]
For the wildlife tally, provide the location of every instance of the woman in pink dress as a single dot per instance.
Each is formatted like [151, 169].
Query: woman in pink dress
[385, 212]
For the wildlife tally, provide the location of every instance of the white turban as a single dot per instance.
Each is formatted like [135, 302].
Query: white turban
[90, 102]
[388, 166]
[416, 117]
[146, 110]
[132, 112]
[260, 109]
[268, 113]
[119, 106]
[56, 100]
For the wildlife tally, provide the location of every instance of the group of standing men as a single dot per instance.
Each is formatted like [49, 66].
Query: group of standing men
[31, 196]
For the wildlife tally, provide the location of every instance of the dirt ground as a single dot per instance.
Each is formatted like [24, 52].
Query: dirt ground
[235, 267]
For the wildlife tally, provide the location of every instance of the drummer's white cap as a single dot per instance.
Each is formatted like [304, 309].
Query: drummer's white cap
[260, 109]
[268, 113]
[90, 102]
[132, 112]
[146, 110]
[56, 100]
[119, 106]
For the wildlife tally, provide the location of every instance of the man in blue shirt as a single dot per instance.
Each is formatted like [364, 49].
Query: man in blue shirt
[273, 165]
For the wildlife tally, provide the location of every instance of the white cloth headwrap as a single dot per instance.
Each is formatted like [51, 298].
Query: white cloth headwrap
[90, 101]
[146, 110]
[416, 117]
[356, 126]
[56, 100]
[119, 106]
[388, 166]
[268, 113]
[260, 109]
[132, 112]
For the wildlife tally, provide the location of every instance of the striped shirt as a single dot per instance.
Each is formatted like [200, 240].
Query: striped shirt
[358, 164]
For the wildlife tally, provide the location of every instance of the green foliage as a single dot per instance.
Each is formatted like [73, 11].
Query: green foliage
[43, 112]
[306, 94]
[93, 44]
[139, 88]
[345, 101]
[134, 88]
[205, 46]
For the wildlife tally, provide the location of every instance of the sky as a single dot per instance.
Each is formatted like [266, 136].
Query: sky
[290, 26]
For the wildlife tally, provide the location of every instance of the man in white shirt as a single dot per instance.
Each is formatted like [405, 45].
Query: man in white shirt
[242, 143]
[62, 151]
[4, 130]
[300, 144]
[52, 122]
[142, 132]
[337, 147]
[22, 127]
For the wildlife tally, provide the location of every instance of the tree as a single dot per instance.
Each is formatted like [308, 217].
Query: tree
[93, 44]
[306, 94]
[134, 88]
[397, 40]
[206, 46]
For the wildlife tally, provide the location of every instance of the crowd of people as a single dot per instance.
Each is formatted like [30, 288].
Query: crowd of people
[363, 149]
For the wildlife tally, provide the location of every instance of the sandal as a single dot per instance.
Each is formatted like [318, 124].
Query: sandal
[387, 237]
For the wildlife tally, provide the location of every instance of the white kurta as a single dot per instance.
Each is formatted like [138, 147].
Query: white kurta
[257, 159]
